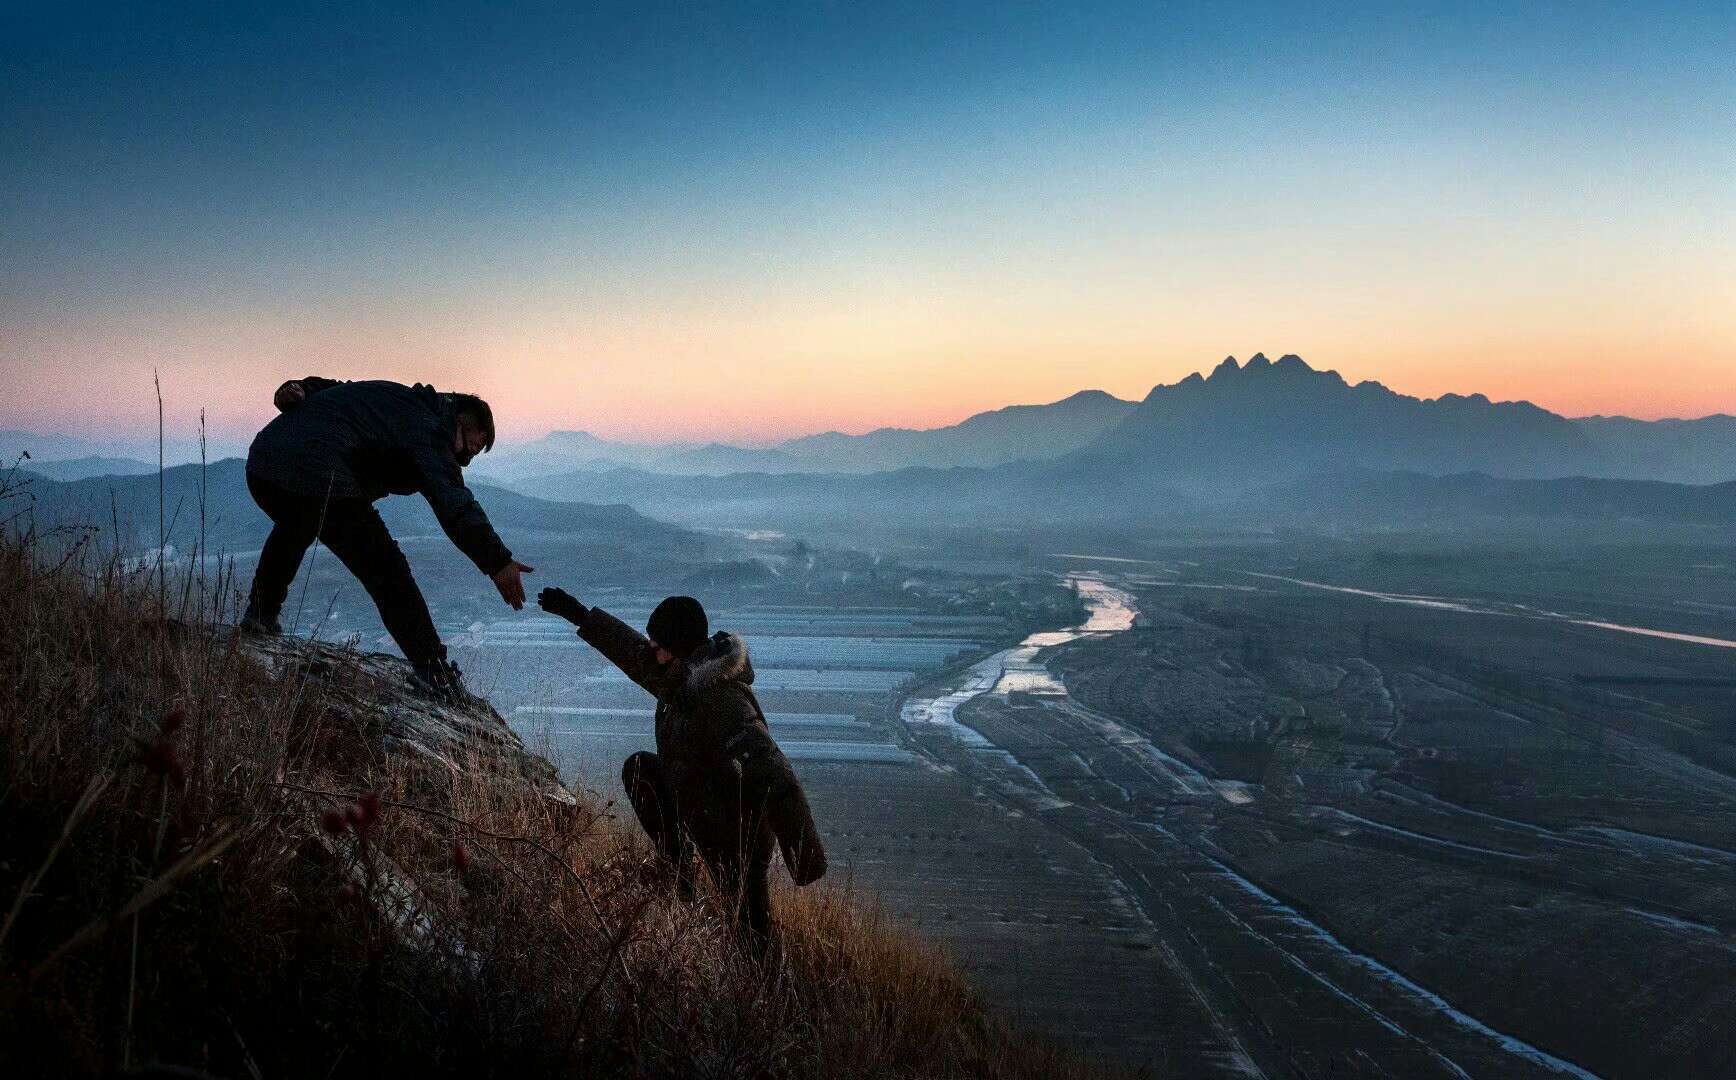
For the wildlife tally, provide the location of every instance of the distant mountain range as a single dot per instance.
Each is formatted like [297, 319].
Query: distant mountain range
[564, 451]
[1699, 451]
[1241, 425]
[1246, 435]
[52, 447]
[1265, 433]
[83, 467]
[1248, 425]
[917, 495]
[1015, 433]
[1021, 494]
[60, 448]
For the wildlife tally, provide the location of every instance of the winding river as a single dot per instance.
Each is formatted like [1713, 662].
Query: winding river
[1517, 611]
[1231, 941]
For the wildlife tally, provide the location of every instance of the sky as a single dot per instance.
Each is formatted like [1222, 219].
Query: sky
[748, 222]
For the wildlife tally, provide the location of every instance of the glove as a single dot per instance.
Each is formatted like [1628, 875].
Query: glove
[562, 603]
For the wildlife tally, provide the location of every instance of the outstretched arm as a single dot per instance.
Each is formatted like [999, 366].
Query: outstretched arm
[619, 643]
[462, 517]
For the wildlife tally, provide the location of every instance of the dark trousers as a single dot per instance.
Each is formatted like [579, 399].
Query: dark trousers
[739, 857]
[352, 530]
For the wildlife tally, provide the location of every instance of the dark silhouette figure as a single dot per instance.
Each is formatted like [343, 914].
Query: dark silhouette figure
[317, 469]
[718, 784]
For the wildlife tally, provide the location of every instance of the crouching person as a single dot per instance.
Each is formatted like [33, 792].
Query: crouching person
[718, 783]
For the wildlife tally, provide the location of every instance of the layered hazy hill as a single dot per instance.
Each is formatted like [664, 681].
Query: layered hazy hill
[1015, 433]
[70, 456]
[1241, 426]
[564, 451]
[1410, 500]
[1699, 451]
[83, 467]
[1238, 426]
[1275, 438]
[1278, 437]
[216, 499]
[878, 499]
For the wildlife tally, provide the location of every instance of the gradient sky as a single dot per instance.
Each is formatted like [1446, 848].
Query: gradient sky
[741, 222]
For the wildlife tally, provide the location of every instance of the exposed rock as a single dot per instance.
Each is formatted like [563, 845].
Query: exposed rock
[376, 689]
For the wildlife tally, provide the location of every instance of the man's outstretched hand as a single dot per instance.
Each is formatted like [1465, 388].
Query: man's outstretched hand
[511, 586]
[562, 603]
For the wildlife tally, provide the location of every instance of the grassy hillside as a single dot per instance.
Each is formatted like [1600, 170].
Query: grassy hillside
[239, 861]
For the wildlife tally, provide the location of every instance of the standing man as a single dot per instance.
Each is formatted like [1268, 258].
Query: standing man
[316, 471]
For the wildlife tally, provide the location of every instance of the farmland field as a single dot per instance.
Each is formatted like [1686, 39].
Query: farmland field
[1270, 809]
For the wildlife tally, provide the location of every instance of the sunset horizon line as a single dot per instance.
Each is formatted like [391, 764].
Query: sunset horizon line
[760, 438]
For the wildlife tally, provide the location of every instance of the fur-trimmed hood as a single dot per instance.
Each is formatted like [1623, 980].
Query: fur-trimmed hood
[722, 659]
[703, 701]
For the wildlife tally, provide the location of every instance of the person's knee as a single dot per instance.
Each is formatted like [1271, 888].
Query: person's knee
[640, 768]
[378, 563]
[357, 535]
[648, 794]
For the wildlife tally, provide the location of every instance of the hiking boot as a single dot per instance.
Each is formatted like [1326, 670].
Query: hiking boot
[440, 680]
[259, 626]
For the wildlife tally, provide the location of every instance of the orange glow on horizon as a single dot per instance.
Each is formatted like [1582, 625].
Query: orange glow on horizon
[787, 369]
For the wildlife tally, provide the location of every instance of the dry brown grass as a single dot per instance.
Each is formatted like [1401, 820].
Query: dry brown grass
[174, 900]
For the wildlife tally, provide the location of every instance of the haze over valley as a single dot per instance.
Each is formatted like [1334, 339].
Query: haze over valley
[1347, 733]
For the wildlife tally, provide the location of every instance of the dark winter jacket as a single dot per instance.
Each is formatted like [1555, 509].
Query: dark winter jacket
[366, 440]
[709, 725]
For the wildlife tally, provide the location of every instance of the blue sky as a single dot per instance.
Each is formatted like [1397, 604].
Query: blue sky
[930, 208]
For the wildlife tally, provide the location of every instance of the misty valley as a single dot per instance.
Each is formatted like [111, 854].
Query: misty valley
[1255, 821]
[1343, 767]
[1324, 804]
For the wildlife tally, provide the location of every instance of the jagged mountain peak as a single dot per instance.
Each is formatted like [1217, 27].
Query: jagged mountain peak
[1263, 418]
[1229, 373]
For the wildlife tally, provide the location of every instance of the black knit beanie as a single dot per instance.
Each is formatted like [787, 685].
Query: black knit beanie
[678, 625]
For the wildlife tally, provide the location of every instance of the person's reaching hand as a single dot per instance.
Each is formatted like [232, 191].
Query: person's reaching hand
[562, 603]
[510, 585]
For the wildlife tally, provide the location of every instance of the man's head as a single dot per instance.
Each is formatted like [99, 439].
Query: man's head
[475, 432]
[677, 627]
